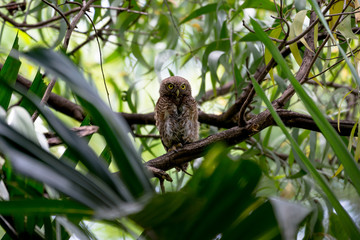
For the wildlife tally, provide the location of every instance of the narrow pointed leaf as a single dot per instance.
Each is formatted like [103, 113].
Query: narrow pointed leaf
[327, 130]
[113, 127]
[9, 74]
[346, 219]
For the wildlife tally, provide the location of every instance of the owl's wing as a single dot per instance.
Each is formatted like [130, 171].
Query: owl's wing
[190, 123]
[160, 118]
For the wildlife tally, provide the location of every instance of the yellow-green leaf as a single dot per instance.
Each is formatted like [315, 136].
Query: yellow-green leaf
[339, 110]
[345, 26]
[275, 34]
[298, 26]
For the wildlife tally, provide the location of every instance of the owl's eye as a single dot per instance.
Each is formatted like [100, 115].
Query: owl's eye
[170, 86]
[183, 86]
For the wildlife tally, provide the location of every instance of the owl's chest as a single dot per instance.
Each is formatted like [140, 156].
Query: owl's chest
[174, 112]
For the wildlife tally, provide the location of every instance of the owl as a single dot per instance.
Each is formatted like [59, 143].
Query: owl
[176, 113]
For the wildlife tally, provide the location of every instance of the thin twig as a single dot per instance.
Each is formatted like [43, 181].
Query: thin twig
[120, 9]
[39, 24]
[58, 11]
[101, 61]
[65, 46]
[75, 22]
[341, 14]
[322, 46]
[175, 26]
[232, 55]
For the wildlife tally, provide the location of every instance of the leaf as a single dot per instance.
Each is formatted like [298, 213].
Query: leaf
[339, 109]
[221, 45]
[300, 5]
[259, 4]
[9, 73]
[275, 34]
[345, 25]
[37, 87]
[44, 207]
[199, 211]
[20, 119]
[354, 73]
[328, 131]
[213, 62]
[335, 8]
[46, 168]
[200, 11]
[295, 30]
[316, 34]
[298, 26]
[161, 59]
[289, 216]
[112, 126]
[135, 49]
[61, 33]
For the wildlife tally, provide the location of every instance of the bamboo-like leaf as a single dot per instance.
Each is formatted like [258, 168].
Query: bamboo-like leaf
[31, 160]
[345, 26]
[298, 26]
[347, 221]
[339, 109]
[317, 9]
[267, 55]
[294, 47]
[336, 8]
[332, 137]
[327, 130]
[79, 148]
[259, 4]
[113, 127]
[200, 11]
[213, 61]
[9, 73]
[44, 207]
[37, 87]
[135, 49]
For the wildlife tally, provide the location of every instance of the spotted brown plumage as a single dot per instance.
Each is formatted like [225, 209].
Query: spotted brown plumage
[176, 113]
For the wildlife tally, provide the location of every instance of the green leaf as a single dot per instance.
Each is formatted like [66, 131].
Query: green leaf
[112, 126]
[218, 199]
[221, 45]
[30, 160]
[38, 88]
[44, 207]
[289, 216]
[213, 61]
[346, 219]
[300, 5]
[345, 26]
[317, 9]
[200, 11]
[9, 74]
[20, 119]
[259, 4]
[135, 49]
[327, 130]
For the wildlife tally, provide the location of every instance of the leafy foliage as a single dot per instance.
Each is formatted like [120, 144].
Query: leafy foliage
[270, 78]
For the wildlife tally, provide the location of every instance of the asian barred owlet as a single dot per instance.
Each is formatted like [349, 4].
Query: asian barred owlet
[176, 113]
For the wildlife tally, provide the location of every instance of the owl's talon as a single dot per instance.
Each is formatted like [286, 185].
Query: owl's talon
[175, 147]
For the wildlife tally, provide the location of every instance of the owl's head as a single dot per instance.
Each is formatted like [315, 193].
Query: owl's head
[175, 87]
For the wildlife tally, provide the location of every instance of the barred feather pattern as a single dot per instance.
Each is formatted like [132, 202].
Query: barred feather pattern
[176, 115]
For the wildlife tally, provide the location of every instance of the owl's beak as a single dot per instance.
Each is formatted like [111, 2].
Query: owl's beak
[177, 92]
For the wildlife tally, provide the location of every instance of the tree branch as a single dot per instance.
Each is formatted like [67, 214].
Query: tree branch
[39, 24]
